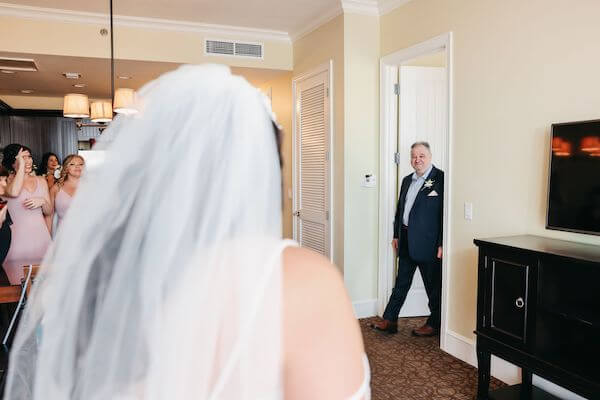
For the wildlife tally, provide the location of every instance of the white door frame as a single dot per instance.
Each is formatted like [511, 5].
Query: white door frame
[325, 67]
[387, 169]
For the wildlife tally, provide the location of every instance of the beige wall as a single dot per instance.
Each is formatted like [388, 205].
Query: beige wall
[361, 154]
[318, 47]
[37, 36]
[519, 66]
[281, 103]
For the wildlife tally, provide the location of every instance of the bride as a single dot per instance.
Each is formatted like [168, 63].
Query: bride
[169, 279]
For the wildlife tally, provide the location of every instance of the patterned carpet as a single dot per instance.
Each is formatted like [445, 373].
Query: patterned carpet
[405, 367]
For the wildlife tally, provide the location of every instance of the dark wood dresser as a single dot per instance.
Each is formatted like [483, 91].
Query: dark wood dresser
[538, 307]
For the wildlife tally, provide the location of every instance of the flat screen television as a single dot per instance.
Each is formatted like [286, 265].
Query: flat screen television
[574, 188]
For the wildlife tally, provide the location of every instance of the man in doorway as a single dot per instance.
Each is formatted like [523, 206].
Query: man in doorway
[418, 240]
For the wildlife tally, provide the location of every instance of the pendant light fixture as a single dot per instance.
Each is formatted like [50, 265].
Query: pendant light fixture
[77, 105]
[101, 111]
[124, 101]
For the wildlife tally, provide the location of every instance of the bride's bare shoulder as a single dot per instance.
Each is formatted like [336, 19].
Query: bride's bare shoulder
[306, 272]
[327, 365]
[302, 263]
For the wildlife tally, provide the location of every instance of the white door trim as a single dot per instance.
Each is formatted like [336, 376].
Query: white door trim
[388, 145]
[325, 67]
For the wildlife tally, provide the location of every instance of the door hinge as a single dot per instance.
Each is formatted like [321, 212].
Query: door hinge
[397, 89]
[326, 156]
[397, 158]
[327, 92]
[484, 320]
[326, 215]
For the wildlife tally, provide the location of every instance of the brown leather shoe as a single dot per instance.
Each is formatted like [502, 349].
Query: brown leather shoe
[425, 331]
[385, 326]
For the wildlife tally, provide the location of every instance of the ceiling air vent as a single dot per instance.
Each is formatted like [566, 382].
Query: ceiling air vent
[236, 49]
[220, 47]
[17, 64]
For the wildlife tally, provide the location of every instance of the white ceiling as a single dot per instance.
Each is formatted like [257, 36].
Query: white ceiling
[278, 15]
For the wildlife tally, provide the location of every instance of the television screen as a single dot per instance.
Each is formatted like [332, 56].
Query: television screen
[574, 189]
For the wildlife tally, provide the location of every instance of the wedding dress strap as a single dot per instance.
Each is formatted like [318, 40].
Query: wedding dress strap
[364, 391]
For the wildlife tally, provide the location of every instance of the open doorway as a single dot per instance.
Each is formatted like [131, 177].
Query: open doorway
[416, 93]
[422, 109]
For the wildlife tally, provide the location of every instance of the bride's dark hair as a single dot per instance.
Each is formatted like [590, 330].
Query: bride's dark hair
[278, 139]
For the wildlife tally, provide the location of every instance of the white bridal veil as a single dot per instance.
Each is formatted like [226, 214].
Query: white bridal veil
[164, 280]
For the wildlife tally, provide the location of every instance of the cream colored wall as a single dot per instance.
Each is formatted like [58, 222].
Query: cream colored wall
[519, 66]
[281, 103]
[361, 154]
[318, 47]
[37, 36]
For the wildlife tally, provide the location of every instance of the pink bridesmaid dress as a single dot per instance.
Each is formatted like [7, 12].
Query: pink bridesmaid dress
[30, 236]
[62, 201]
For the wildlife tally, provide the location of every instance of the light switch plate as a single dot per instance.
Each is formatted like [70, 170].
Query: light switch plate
[468, 211]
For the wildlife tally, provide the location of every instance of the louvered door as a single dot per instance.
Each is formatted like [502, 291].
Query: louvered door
[312, 224]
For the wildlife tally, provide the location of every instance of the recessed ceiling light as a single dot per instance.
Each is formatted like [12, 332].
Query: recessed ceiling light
[72, 75]
[18, 64]
[26, 91]
[79, 85]
[7, 71]
[124, 77]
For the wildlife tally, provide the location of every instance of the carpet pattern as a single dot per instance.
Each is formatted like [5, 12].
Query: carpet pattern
[404, 367]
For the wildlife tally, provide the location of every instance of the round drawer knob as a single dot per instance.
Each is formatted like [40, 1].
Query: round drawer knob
[519, 302]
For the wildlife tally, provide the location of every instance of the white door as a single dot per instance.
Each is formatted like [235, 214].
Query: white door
[422, 117]
[312, 225]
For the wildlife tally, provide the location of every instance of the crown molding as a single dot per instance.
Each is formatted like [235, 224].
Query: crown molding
[318, 22]
[371, 7]
[15, 10]
[362, 7]
[387, 6]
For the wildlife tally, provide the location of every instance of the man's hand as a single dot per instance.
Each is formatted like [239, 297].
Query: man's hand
[439, 254]
[395, 244]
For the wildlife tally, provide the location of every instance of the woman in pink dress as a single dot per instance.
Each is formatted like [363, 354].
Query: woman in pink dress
[49, 169]
[66, 186]
[28, 203]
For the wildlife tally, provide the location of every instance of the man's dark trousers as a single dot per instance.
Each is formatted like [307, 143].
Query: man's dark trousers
[431, 272]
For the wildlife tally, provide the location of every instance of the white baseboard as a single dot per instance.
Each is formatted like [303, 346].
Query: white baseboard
[461, 348]
[365, 308]
[464, 349]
